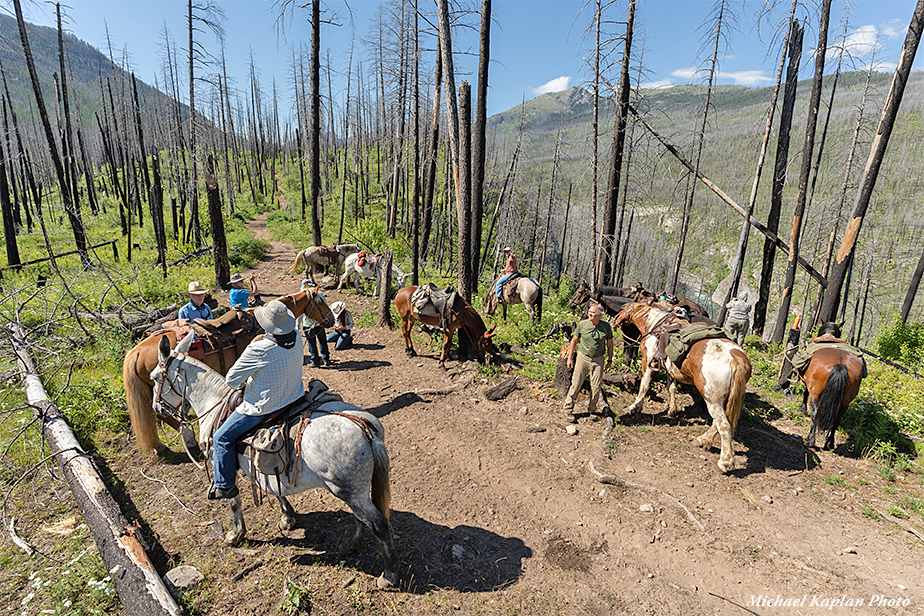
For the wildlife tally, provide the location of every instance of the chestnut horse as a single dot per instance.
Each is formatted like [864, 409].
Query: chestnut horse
[717, 367]
[463, 315]
[832, 380]
[142, 359]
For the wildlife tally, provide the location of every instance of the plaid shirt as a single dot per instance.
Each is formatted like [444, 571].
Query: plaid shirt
[273, 375]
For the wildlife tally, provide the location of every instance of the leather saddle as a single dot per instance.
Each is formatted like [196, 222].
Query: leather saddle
[234, 329]
[428, 300]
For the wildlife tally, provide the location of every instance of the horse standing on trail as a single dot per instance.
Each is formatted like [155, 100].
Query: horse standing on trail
[832, 380]
[527, 292]
[345, 455]
[717, 367]
[462, 316]
[322, 255]
[369, 269]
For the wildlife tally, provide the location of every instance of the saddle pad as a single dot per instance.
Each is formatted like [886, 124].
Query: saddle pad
[510, 288]
[680, 344]
[803, 356]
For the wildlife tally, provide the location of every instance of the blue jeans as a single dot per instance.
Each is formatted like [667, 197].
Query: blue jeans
[316, 339]
[341, 339]
[224, 463]
[499, 288]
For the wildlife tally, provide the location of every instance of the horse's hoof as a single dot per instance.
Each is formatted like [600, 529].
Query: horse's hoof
[726, 467]
[234, 539]
[286, 524]
[384, 583]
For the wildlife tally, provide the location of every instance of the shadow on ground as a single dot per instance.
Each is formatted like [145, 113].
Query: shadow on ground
[462, 558]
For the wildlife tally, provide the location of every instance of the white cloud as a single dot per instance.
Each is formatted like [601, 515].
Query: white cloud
[657, 85]
[881, 67]
[556, 85]
[686, 73]
[746, 78]
[741, 78]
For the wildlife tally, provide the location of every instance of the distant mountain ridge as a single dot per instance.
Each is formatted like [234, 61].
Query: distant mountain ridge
[85, 66]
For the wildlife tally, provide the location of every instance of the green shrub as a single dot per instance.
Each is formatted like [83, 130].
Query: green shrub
[902, 343]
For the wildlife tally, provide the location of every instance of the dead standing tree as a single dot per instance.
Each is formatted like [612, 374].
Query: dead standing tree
[802, 195]
[873, 164]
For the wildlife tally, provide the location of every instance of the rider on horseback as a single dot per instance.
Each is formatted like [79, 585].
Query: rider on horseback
[510, 271]
[271, 366]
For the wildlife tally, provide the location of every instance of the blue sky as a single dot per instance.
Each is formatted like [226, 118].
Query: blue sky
[537, 45]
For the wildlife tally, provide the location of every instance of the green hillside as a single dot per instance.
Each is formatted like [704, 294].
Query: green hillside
[86, 66]
[890, 242]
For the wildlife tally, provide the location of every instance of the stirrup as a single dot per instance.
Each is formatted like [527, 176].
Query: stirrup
[216, 493]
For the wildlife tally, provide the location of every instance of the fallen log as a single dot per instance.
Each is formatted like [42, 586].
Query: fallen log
[140, 588]
[190, 256]
[502, 390]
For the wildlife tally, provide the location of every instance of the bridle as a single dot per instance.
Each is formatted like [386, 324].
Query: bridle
[159, 402]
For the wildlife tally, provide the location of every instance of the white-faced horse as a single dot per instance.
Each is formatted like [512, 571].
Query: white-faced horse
[369, 269]
[334, 452]
[717, 367]
[321, 255]
[528, 293]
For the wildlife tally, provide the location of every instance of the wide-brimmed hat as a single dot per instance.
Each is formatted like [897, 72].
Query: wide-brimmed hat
[337, 308]
[236, 278]
[196, 289]
[507, 248]
[275, 318]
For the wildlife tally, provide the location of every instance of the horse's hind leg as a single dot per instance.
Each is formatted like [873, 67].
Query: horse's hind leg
[721, 425]
[236, 534]
[369, 516]
[813, 409]
[288, 514]
[672, 407]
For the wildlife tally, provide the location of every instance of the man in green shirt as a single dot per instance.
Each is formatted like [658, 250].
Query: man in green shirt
[591, 338]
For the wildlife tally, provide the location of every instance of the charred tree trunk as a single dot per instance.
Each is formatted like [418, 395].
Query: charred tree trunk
[478, 151]
[779, 177]
[802, 195]
[877, 152]
[433, 156]
[619, 139]
[315, 158]
[463, 190]
[219, 243]
[384, 274]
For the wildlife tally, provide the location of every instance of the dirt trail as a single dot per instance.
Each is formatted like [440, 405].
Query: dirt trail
[496, 511]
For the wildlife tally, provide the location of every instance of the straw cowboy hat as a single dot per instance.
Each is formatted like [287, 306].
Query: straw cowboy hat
[275, 318]
[196, 289]
[337, 308]
[236, 278]
[507, 249]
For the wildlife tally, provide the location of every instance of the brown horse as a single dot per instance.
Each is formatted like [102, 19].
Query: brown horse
[463, 315]
[832, 380]
[717, 367]
[141, 360]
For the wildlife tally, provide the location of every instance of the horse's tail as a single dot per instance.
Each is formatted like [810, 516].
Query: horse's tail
[140, 399]
[299, 262]
[381, 487]
[829, 403]
[739, 378]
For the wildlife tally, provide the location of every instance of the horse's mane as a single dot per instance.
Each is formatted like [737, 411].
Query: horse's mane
[637, 310]
[210, 377]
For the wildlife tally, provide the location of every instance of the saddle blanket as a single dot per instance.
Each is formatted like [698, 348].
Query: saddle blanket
[428, 300]
[803, 356]
[680, 344]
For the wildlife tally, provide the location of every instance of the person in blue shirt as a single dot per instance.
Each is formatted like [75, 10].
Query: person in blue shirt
[241, 298]
[196, 308]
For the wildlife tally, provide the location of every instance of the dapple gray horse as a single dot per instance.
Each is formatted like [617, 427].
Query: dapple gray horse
[528, 293]
[334, 453]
